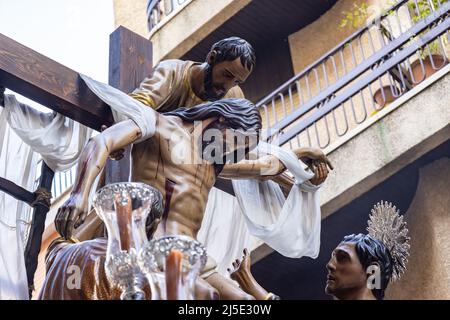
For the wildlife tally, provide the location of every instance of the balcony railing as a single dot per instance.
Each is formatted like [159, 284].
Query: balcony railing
[371, 68]
[159, 10]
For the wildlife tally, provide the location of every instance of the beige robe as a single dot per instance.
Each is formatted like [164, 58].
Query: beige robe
[168, 88]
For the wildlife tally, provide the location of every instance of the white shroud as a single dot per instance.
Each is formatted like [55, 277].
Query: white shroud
[289, 225]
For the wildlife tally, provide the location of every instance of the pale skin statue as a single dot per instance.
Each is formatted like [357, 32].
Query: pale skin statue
[347, 278]
[183, 183]
[241, 273]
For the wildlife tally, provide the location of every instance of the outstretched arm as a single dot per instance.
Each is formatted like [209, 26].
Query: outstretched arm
[92, 161]
[270, 167]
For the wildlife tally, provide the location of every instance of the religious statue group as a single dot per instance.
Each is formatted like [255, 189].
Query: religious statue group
[189, 124]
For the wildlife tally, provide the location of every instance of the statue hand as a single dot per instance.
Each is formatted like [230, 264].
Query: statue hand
[308, 155]
[241, 268]
[70, 215]
[320, 172]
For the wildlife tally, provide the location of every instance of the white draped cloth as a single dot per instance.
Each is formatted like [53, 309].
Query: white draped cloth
[14, 215]
[124, 107]
[260, 211]
[26, 135]
[224, 231]
[291, 226]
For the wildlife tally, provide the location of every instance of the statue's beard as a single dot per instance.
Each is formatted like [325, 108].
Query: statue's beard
[210, 94]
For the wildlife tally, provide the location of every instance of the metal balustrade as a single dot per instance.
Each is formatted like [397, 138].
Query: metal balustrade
[158, 10]
[375, 65]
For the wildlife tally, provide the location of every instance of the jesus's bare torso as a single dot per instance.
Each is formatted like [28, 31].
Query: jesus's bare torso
[183, 183]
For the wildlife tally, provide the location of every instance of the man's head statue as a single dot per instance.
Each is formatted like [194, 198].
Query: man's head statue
[366, 263]
[229, 63]
[236, 122]
[357, 263]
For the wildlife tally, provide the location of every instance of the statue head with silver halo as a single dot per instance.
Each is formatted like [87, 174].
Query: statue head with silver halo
[362, 265]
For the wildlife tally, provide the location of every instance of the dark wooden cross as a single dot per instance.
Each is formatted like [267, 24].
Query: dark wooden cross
[59, 88]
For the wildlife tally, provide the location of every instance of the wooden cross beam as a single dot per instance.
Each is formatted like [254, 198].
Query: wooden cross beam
[130, 61]
[16, 191]
[51, 84]
[59, 88]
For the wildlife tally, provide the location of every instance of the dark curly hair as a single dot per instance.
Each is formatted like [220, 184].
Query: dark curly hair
[370, 251]
[230, 49]
[238, 113]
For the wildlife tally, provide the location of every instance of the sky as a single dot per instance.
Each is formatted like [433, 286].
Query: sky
[74, 33]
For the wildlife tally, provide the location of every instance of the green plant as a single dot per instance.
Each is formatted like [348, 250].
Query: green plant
[360, 13]
[356, 17]
[423, 8]
[420, 11]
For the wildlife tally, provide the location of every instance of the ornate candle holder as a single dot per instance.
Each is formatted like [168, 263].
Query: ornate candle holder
[154, 260]
[124, 208]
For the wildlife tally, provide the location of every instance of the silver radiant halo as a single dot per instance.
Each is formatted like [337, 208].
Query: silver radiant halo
[386, 225]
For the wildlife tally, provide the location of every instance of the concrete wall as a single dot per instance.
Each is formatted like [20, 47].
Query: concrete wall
[202, 16]
[428, 270]
[132, 14]
[307, 46]
[182, 29]
[191, 25]
[312, 42]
